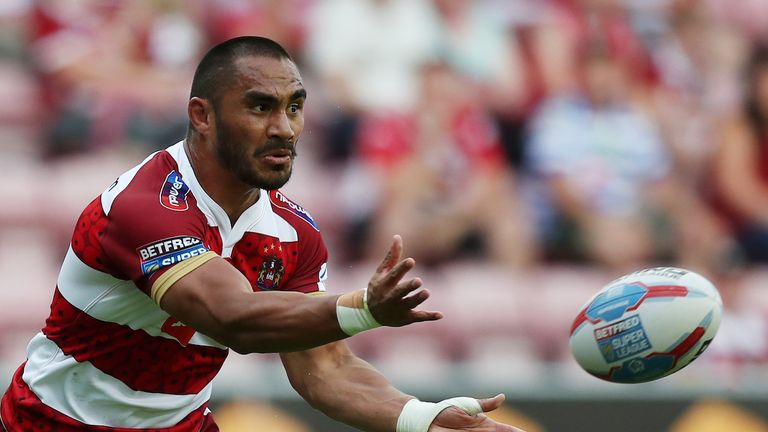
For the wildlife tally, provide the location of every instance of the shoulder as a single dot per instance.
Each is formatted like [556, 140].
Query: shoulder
[293, 213]
[137, 179]
[154, 183]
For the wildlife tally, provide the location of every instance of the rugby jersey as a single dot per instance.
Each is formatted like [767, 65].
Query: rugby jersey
[109, 358]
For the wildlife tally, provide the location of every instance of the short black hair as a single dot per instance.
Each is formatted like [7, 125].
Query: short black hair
[217, 65]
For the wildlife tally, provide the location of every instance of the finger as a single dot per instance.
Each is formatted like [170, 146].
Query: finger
[490, 404]
[420, 316]
[393, 255]
[398, 271]
[507, 428]
[404, 288]
[416, 299]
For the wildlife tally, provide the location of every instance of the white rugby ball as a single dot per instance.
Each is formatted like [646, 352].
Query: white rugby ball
[646, 325]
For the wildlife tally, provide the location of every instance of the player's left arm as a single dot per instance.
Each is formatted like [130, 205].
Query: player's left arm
[344, 387]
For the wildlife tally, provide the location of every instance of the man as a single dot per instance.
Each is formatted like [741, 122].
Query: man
[440, 178]
[195, 251]
[612, 192]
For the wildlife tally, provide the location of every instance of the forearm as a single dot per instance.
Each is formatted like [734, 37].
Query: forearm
[218, 301]
[365, 399]
[282, 322]
[348, 389]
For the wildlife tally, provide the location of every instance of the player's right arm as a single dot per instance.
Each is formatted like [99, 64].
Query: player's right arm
[217, 300]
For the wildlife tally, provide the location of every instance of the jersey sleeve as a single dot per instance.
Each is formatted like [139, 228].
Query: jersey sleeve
[312, 268]
[154, 233]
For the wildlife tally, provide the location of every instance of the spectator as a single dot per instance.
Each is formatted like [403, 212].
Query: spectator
[741, 164]
[111, 70]
[480, 42]
[477, 42]
[697, 58]
[610, 178]
[570, 26]
[367, 54]
[281, 20]
[442, 178]
[750, 17]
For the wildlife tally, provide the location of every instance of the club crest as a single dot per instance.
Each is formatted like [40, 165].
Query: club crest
[271, 273]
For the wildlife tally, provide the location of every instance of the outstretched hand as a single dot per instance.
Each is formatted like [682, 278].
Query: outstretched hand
[388, 295]
[455, 419]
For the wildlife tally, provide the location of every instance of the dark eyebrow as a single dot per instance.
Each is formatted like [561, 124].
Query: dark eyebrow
[299, 94]
[254, 97]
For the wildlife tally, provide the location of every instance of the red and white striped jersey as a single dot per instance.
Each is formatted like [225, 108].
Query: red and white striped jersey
[109, 358]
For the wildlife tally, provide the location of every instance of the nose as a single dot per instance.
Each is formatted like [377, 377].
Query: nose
[280, 126]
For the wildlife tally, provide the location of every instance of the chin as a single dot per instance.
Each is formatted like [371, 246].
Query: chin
[271, 182]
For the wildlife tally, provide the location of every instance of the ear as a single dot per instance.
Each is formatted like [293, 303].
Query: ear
[200, 114]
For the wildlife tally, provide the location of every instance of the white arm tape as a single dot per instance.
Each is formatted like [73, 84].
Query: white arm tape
[353, 313]
[417, 416]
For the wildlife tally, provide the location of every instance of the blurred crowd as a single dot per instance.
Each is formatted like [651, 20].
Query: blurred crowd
[519, 134]
[621, 133]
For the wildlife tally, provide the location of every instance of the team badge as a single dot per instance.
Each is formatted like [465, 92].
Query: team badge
[271, 273]
[173, 194]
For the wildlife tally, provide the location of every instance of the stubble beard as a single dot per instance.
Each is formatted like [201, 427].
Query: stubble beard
[234, 158]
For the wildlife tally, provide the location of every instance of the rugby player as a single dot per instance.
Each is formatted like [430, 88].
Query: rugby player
[196, 251]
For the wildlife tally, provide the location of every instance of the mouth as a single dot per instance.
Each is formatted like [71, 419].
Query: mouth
[277, 156]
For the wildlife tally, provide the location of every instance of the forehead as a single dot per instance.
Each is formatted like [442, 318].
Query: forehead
[278, 77]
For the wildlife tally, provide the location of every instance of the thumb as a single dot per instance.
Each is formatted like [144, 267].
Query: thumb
[490, 404]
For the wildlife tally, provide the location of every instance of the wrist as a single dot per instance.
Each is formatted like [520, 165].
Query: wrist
[353, 314]
[417, 416]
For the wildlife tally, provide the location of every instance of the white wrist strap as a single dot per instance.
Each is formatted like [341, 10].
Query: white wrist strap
[417, 416]
[353, 313]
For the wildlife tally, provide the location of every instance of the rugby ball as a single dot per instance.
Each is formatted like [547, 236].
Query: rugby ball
[646, 325]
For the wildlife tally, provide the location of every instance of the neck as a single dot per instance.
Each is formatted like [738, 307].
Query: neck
[222, 186]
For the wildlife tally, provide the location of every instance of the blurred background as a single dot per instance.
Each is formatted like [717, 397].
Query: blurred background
[529, 151]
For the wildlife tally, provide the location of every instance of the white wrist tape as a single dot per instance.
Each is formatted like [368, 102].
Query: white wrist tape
[353, 313]
[417, 416]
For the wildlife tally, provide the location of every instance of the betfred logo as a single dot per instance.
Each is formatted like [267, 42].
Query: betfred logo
[168, 252]
[173, 195]
[619, 327]
[622, 339]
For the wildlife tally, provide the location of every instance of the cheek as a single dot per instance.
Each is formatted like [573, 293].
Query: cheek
[252, 125]
[297, 125]
[248, 132]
